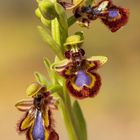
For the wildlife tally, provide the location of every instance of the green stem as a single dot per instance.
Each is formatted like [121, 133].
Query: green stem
[67, 116]
[65, 103]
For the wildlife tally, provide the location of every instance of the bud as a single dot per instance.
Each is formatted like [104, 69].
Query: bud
[47, 8]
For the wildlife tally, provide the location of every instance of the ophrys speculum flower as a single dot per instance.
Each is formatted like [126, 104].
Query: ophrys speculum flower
[82, 80]
[37, 122]
[114, 17]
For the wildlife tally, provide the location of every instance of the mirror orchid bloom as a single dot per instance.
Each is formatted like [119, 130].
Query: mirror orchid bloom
[37, 122]
[82, 80]
[113, 16]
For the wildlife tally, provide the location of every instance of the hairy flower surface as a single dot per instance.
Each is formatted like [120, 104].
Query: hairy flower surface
[37, 122]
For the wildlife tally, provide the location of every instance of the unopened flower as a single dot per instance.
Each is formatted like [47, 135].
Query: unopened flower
[82, 80]
[37, 122]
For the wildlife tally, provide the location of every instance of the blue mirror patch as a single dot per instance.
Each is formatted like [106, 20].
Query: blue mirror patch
[38, 128]
[113, 13]
[82, 79]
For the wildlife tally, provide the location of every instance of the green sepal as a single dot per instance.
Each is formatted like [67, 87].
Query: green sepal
[79, 121]
[33, 89]
[48, 38]
[41, 79]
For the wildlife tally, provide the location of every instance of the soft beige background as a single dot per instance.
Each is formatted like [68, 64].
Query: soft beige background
[115, 113]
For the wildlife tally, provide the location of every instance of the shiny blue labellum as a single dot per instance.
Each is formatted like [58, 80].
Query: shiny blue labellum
[38, 128]
[113, 13]
[82, 79]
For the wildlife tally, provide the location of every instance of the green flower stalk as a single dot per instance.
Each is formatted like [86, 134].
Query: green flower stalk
[70, 73]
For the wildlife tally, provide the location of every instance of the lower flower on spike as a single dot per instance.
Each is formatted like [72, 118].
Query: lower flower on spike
[82, 80]
[37, 122]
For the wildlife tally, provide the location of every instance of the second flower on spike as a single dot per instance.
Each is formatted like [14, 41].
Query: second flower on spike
[82, 80]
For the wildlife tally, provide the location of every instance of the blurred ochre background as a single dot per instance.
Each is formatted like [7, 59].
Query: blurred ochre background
[112, 115]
